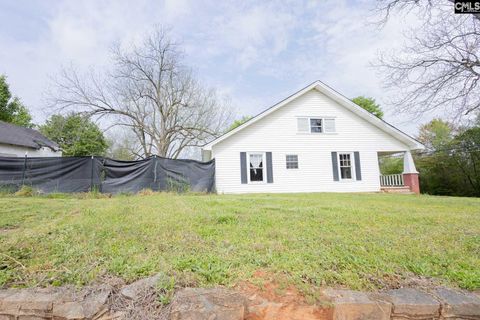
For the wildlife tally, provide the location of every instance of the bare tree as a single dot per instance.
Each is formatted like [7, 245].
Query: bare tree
[150, 91]
[123, 144]
[439, 67]
[387, 6]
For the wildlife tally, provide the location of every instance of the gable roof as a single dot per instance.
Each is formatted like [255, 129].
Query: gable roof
[412, 143]
[25, 137]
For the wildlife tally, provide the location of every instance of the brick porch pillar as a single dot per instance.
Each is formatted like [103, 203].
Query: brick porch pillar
[410, 173]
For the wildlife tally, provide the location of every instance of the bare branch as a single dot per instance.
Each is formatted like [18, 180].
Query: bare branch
[440, 67]
[152, 93]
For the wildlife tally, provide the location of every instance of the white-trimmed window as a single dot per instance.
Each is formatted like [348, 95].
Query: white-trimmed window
[316, 125]
[345, 165]
[291, 161]
[256, 167]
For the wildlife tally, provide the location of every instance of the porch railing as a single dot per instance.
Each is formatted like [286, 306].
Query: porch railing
[391, 180]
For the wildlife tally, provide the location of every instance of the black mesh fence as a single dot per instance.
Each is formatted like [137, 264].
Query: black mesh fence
[82, 174]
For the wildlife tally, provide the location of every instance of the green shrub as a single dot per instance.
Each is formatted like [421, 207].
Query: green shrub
[177, 185]
[26, 191]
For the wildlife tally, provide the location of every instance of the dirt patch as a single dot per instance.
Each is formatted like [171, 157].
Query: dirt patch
[269, 298]
[146, 306]
[402, 280]
[272, 288]
[6, 229]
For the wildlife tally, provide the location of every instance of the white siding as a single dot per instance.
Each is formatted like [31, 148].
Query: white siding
[278, 134]
[7, 150]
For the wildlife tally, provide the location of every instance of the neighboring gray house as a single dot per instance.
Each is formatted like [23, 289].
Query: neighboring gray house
[16, 141]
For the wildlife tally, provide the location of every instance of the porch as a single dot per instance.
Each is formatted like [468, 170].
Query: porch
[404, 182]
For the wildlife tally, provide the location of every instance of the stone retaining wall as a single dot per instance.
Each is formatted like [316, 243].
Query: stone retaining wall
[224, 304]
[405, 303]
[54, 303]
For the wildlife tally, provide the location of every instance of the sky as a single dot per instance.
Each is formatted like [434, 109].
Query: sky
[254, 52]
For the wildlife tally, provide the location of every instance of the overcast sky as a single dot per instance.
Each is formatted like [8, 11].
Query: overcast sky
[255, 52]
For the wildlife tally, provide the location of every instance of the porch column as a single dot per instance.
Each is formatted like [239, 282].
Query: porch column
[410, 173]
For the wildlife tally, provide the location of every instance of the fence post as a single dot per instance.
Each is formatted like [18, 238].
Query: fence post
[155, 168]
[101, 178]
[91, 176]
[24, 169]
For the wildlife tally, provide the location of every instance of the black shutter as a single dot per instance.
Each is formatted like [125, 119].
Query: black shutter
[269, 167]
[358, 169]
[335, 166]
[243, 167]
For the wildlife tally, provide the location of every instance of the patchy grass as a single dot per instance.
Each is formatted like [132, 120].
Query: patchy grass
[360, 241]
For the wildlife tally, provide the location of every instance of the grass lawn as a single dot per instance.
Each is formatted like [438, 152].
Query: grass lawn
[361, 241]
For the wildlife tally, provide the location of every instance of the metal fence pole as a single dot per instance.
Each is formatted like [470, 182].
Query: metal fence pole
[91, 176]
[155, 168]
[101, 178]
[24, 169]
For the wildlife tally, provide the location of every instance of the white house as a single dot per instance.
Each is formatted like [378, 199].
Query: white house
[16, 141]
[316, 140]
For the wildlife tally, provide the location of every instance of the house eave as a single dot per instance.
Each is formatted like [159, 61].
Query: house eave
[19, 145]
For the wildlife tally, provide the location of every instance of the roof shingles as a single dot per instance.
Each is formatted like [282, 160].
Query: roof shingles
[25, 137]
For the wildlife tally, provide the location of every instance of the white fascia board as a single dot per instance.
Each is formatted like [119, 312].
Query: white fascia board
[259, 116]
[412, 143]
[342, 100]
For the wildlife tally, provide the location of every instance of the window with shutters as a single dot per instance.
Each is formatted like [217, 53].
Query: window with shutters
[316, 125]
[345, 166]
[256, 165]
[292, 161]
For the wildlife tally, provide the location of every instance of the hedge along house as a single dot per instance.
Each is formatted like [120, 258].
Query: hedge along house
[316, 140]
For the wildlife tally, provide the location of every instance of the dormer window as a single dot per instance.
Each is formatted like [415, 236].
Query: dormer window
[316, 125]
